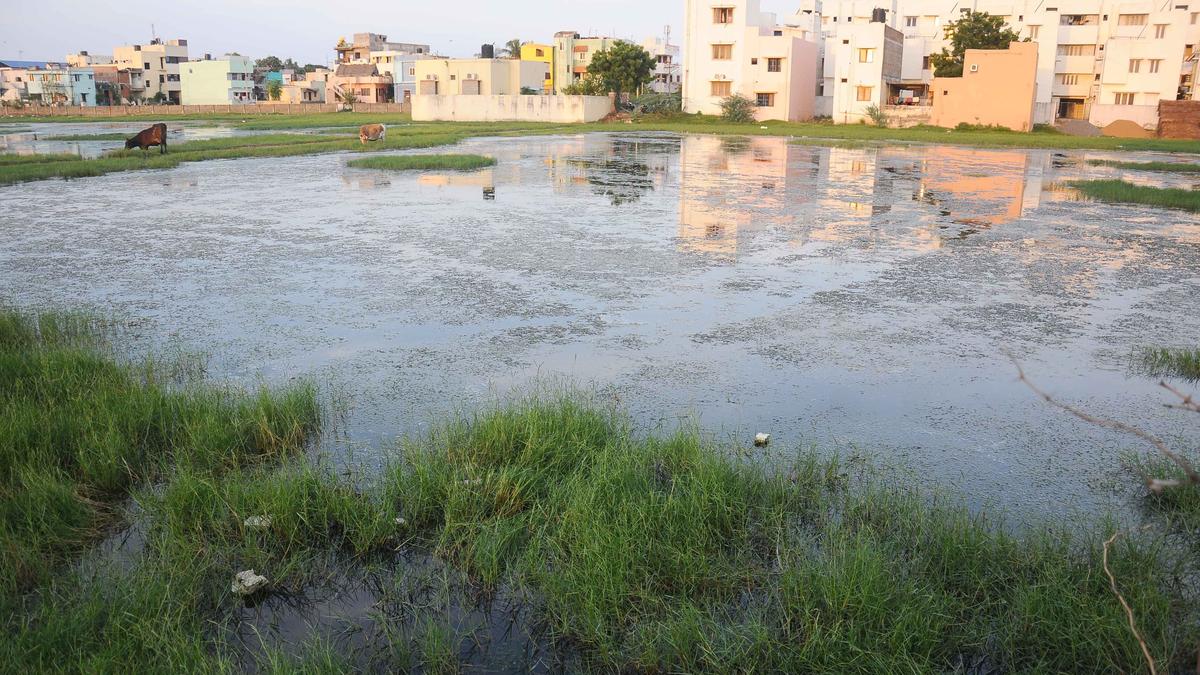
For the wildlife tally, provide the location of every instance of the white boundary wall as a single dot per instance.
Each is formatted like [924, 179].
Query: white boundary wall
[466, 108]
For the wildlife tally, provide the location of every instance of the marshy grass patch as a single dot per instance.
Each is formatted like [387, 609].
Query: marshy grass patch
[1169, 362]
[1122, 192]
[424, 162]
[1167, 167]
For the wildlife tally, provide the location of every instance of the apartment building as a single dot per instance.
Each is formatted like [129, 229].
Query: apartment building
[861, 69]
[224, 81]
[735, 48]
[1098, 60]
[360, 50]
[668, 69]
[573, 53]
[124, 84]
[62, 85]
[83, 60]
[159, 62]
[478, 77]
[361, 82]
[402, 68]
[542, 53]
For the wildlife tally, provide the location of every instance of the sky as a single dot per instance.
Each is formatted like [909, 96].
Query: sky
[47, 30]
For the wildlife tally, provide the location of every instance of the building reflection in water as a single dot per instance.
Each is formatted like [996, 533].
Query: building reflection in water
[484, 180]
[623, 170]
[898, 197]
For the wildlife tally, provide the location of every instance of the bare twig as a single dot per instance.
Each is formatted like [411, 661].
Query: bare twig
[1155, 485]
[1187, 401]
[1112, 582]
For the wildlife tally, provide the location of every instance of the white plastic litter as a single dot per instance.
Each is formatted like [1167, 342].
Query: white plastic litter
[248, 582]
[401, 522]
[473, 481]
[258, 522]
[762, 439]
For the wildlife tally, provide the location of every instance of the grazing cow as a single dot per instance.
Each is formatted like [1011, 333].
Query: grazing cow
[372, 132]
[155, 135]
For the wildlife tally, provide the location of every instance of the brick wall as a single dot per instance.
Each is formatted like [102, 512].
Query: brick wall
[1179, 119]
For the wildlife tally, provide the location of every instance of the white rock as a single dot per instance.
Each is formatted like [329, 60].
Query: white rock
[248, 582]
[762, 439]
[258, 522]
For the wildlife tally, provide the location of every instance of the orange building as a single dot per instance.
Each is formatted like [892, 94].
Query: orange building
[997, 87]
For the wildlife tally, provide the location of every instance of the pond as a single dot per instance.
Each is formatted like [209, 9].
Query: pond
[862, 300]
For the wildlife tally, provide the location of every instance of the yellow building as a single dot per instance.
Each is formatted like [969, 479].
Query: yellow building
[531, 51]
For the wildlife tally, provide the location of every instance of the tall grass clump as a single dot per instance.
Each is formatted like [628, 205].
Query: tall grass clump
[424, 162]
[80, 428]
[1169, 167]
[1169, 362]
[1121, 192]
[665, 553]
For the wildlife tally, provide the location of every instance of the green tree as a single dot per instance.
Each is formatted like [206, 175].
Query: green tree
[275, 90]
[588, 85]
[622, 67]
[975, 30]
[269, 63]
[512, 48]
[737, 108]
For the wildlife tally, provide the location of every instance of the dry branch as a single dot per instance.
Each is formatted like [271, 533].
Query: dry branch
[1112, 582]
[1156, 485]
[1187, 401]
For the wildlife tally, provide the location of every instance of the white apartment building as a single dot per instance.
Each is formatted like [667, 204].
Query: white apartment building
[861, 68]
[1100, 60]
[159, 62]
[668, 70]
[735, 48]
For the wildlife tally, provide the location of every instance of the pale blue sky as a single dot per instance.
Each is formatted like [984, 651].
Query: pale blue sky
[307, 31]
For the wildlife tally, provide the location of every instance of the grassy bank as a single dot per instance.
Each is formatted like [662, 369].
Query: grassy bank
[640, 553]
[812, 131]
[1121, 192]
[1169, 362]
[423, 162]
[1167, 167]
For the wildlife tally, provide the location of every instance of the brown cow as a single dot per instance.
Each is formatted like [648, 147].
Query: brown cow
[155, 135]
[371, 132]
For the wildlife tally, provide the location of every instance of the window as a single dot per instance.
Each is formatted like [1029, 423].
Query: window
[722, 52]
[1123, 98]
[722, 15]
[1160, 31]
[864, 93]
[774, 65]
[1135, 65]
[1034, 31]
[1076, 50]
[1132, 19]
[1195, 16]
[1078, 20]
[453, 77]
[754, 62]
[866, 56]
[1070, 79]
[540, 52]
[1154, 64]
[722, 88]
[910, 21]
[765, 100]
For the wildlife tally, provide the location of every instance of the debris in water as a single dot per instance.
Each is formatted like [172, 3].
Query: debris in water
[761, 440]
[247, 583]
[258, 522]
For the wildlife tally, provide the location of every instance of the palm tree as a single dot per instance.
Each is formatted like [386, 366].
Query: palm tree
[512, 48]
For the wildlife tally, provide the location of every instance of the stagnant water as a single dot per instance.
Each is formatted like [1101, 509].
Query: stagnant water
[858, 299]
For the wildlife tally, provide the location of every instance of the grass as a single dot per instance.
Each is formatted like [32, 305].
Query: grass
[971, 136]
[267, 145]
[424, 162]
[1169, 362]
[1171, 167]
[1121, 192]
[641, 552]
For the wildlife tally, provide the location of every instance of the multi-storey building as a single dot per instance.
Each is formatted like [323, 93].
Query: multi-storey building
[159, 62]
[63, 86]
[734, 48]
[359, 51]
[83, 60]
[223, 81]
[573, 53]
[485, 77]
[668, 71]
[1100, 60]
[542, 53]
[123, 84]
